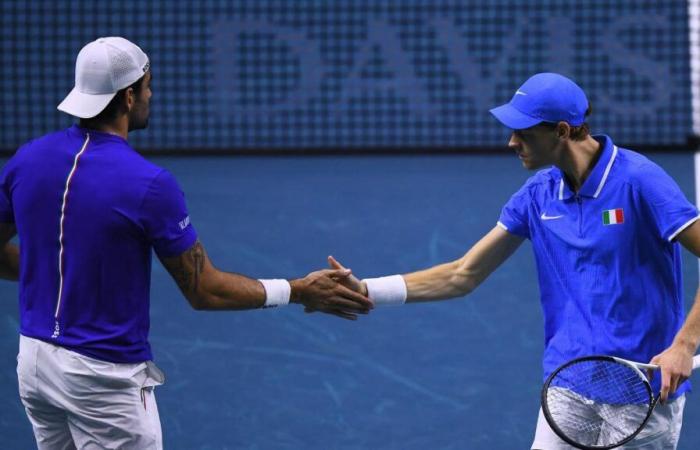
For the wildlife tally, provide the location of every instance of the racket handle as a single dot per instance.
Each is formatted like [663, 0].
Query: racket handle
[696, 361]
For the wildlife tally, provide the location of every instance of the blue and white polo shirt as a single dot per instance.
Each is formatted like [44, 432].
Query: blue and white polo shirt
[608, 265]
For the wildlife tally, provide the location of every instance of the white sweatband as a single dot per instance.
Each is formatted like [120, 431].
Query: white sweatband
[277, 292]
[386, 290]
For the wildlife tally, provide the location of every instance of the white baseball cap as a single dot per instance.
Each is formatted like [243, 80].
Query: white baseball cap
[102, 68]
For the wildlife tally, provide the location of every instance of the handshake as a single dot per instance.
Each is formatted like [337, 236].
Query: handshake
[333, 291]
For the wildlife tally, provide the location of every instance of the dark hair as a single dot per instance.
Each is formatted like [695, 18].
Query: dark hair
[582, 131]
[112, 109]
[578, 133]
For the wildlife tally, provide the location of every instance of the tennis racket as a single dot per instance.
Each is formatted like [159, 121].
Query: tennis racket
[599, 402]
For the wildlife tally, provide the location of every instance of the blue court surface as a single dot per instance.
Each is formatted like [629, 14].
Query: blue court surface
[462, 374]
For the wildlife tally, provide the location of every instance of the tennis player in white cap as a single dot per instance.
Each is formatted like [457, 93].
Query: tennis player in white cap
[89, 210]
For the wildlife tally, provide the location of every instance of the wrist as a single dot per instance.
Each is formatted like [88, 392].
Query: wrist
[363, 289]
[295, 291]
[389, 290]
[690, 346]
[277, 292]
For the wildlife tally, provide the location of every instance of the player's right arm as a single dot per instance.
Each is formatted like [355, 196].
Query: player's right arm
[460, 277]
[167, 226]
[457, 278]
[207, 288]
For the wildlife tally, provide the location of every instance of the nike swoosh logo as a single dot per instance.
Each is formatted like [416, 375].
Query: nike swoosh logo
[544, 216]
[520, 93]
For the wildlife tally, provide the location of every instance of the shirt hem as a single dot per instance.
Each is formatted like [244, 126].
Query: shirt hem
[98, 355]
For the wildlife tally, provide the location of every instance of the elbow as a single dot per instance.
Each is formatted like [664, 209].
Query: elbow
[202, 295]
[199, 301]
[197, 304]
[464, 288]
[463, 283]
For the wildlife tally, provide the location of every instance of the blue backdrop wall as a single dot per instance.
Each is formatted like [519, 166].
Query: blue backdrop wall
[367, 73]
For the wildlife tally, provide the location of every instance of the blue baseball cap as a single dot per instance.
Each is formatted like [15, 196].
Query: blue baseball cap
[544, 97]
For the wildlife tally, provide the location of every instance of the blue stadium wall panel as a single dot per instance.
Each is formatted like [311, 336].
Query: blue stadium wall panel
[335, 74]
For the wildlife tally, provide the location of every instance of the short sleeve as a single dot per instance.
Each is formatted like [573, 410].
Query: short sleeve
[515, 215]
[6, 213]
[670, 210]
[165, 217]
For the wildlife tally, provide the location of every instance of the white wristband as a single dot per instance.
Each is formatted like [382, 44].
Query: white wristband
[277, 292]
[387, 290]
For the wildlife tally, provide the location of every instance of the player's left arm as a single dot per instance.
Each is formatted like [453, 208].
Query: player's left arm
[9, 252]
[676, 361]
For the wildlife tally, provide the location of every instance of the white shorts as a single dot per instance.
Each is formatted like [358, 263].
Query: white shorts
[74, 401]
[660, 433]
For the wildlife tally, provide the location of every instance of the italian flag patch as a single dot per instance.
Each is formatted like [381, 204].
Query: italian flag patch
[613, 216]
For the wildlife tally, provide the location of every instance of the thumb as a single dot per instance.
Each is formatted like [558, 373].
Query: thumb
[334, 264]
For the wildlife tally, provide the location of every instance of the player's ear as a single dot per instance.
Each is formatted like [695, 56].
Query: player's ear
[130, 98]
[563, 130]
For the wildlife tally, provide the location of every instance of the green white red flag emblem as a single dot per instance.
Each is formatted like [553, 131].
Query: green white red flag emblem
[613, 216]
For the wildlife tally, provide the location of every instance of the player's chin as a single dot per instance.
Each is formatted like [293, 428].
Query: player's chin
[139, 124]
[529, 164]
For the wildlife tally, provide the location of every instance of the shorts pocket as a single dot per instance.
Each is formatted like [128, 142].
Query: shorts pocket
[26, 367]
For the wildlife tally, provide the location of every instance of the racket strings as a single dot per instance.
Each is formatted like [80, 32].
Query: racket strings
[598, 402]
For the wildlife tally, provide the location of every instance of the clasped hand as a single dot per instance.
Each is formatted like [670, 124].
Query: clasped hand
[334, 291]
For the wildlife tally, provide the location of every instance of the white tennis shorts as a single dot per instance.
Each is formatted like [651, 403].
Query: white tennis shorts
[660, 433]
[77, 402]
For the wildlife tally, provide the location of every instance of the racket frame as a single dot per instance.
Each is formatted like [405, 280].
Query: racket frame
[634, 365]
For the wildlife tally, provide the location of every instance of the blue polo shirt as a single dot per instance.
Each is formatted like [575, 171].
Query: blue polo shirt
[608, 265]
[88, 210]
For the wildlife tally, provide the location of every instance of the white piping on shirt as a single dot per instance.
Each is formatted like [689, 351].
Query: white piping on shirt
[682, 227]
[607, 171]
[60, 235]
[602, 180]
[561, 188]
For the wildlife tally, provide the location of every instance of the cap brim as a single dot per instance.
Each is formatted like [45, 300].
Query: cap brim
[84, 106]
[512, 118]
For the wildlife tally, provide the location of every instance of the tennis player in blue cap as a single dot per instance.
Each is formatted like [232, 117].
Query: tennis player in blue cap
[89, 211]
[606, 226]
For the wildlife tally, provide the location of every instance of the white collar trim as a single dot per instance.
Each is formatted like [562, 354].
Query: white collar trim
[606, 173]
[561, 188]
